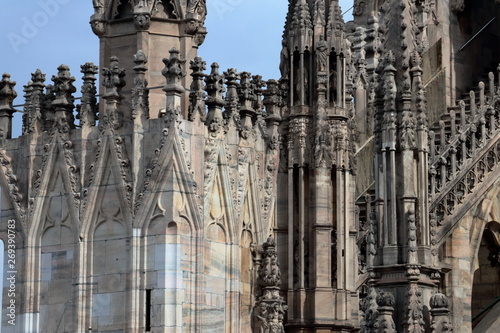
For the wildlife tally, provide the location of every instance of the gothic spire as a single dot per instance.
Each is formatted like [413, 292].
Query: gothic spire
[301, 27]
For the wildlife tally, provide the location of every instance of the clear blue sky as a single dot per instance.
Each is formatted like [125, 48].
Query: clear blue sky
[244, 34]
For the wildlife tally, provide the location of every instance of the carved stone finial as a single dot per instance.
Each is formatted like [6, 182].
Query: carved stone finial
[28, 93]
[215, 86]
[439, 301]
[197, 94]
[215, 101]
[140, 95]
[174, 72]
[246, 93]
[198, 66]
[272, 100]
[88, 108]
[38, 78]
[113, 81]
[257, 84]
[7, 96]
[301, 18]
[440, 314]
[231, 76]
[7, 93]
[35, 115]
[385, 298]
[63, 101]
[385, 322]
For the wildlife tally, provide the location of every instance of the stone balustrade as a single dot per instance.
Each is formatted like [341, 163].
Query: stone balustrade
[465, 149]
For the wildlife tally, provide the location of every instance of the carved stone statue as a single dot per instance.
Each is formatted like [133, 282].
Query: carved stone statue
[319, 12]
[321, 54]
[284, 61]
[198, 7]
[98, 6]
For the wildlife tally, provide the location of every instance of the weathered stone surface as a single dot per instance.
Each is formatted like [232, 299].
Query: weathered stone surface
[168, 210]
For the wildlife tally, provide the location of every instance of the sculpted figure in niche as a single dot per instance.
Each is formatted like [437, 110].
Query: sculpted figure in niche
[299, 87]
[284, 61]
[321, 54]
[333, 85]
[319, 12]
[199, 7]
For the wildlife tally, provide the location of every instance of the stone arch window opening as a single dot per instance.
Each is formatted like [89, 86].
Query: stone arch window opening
[485, 284]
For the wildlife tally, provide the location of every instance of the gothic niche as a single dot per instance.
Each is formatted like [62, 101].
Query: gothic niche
[333, 79]
[486, 287]
[301, 77]
[165, 9]
[123, 10]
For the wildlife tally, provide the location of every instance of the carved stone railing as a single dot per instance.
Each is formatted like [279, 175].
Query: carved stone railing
[465, 151]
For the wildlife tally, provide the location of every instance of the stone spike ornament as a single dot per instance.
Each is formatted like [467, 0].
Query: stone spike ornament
[301, 18]
[197, 94]
[113, 81]
[174, 72]
[140, 93]
[385, 322]
[28, 91]
[272, 100]
[335, 20]
[440, 314]
[270, 308]
[63, 102]
[215, 100]
[246, 94]
[36, 97]
[7, 96]
[88, 107]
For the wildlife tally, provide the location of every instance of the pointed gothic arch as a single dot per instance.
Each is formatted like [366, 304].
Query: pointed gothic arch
[53, 235]
[486, 281]
[105, 245]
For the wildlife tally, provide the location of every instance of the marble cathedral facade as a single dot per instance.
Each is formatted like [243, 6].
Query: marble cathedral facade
[357, 192]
